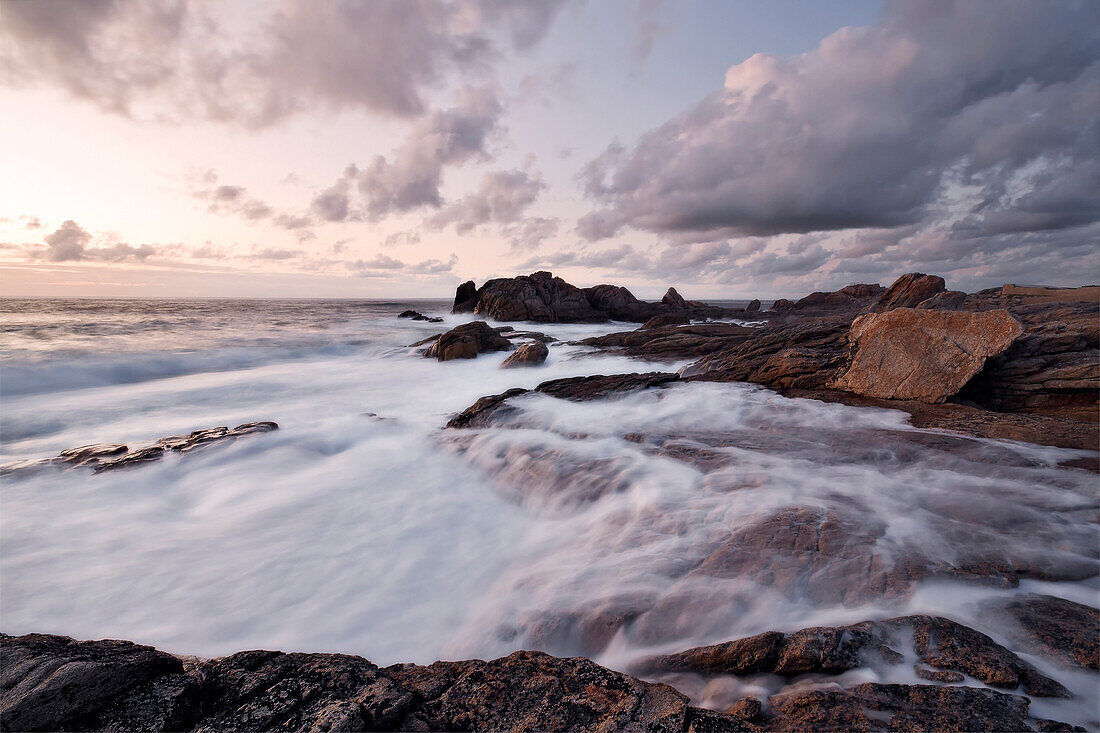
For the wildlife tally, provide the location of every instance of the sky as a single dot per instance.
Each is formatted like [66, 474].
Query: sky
[395, 148]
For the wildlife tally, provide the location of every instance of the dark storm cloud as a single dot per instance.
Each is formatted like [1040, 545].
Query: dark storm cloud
[980, 117]
[192, 59]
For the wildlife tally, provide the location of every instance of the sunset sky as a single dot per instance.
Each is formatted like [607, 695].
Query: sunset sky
[396, 148]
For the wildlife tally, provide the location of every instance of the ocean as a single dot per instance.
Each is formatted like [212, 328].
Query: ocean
[363, 526]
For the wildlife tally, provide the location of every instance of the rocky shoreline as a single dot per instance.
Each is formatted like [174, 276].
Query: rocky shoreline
[965, 367]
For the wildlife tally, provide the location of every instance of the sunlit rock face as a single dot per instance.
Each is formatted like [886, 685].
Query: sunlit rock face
[926, 355]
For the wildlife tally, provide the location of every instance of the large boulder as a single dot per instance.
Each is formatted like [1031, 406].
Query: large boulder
[909, 291]
[465, 298]
[538, 297]
[620, 304]
[529, 354]
[674, 300]
[467, 341]
[926, 355]
[753, 306]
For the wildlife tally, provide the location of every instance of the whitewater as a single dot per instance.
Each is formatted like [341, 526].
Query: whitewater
[363, 526]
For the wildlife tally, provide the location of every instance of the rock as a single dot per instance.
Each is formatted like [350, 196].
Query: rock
[537, 297]
[577, 389]
[133, 458]
[674, 300]
[848, 300]
[180, 443]
[527, 355]
[672, 343]
[87, 455]
[621, 305]
[465, 298]
[909, 291]
[467, 341]
[782, 305]
[949, 647]
[923, 355]
[1058, 628]
[52, 682]
[806, 354]
[948, 300]
[512, 334]
[1054, 365]
[418, 317]
[753, 306]
[667, 319]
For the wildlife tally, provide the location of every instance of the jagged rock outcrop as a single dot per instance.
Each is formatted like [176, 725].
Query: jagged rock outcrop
[527, 355]
[926, 355]
[465, 298]
[577, 389]
[848, 300]
[537, 297]
[55, 683]
[753, 306]
[667, 319]
[467, 341]
[909, 291]
[547, 299]
[109, 456]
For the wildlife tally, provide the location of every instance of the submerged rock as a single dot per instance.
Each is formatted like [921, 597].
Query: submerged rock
[925, 355]
[416, 316]
[527, 355]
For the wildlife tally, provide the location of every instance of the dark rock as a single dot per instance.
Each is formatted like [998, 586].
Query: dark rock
[467, 341]
[133, 458]
[909, 291]
[91, 454]
[873, 706]
[248, 428]
[753, 306]
[674, 300]
[537, 297]
[527, 355]
[425, 341]
[577, 389]
[621, 305]
[672, 343]
[1058, 628]
[925, 355]
[948, 300]
[409, 314]
[465, 298]
[950, 648]
[806, 354]
[667, 319]
[512, 334]
[848, 300]
[52, 682]
[782, 305]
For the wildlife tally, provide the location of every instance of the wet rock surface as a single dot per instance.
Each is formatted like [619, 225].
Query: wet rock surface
[466, 342]
[578, 389]
[416, 316]
[56, 683]
[1057, 628]
[110, 456]
[526, 355]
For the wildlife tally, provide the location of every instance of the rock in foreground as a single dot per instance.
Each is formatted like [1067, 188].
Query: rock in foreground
[927, 355]
[527, 355]
[55, 683]
[467, 341]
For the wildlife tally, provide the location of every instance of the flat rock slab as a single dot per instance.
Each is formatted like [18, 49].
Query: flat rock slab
[926, 355]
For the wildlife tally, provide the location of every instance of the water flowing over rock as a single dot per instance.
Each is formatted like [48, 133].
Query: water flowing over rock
[924, 355]
[467, 341]
[527, 355]
[909, 291]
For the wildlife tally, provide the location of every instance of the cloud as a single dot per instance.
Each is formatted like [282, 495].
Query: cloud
[502, 197]
[233, 200]
[400, 239]
[411, 179]
[943, 116]
[271, 253]
[69, 243]
[379, 262]
[256, 65]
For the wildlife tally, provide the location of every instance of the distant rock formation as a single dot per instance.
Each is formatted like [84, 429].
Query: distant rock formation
[543, 298]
